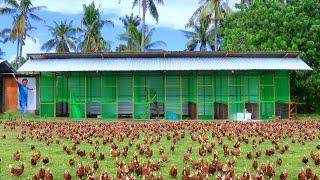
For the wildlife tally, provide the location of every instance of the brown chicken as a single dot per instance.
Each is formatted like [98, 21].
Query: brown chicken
[41, 173]
[45, 160]
[114, 153]
[16, 171]
[33, 161]
[279, 161]
[71, 162]
[173, 172]
[104, 176]
[255, 164]
[67, 175]
[16, 155]
[80, 171]
[284, 175]
[49, 175]
[81, 153]
[305, 159]
[302, 175]
[95, 165]
[101, 156]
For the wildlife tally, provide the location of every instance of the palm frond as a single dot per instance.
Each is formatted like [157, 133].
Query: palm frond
[153, 10]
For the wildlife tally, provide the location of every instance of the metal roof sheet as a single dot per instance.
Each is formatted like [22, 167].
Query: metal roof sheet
[165, 54]
[163, 64]
[5, 67]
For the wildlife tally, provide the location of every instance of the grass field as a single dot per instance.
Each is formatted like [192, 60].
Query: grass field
[301, 137]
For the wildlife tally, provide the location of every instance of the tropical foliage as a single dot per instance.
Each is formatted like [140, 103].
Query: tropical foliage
[271, 26]
[134, 36]
[147, 5]
[93, 24]
[128, 21]
[22, 11]
[211, 9]
[63, 39]
[202, 35]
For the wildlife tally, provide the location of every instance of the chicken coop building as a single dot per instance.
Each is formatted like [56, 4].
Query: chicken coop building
[165, 85]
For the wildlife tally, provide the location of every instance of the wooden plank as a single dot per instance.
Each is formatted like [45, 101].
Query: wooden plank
[10, 94]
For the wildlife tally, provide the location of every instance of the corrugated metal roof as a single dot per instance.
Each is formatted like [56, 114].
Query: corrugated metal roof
[166, 54]
[5, 67]
[163, 64]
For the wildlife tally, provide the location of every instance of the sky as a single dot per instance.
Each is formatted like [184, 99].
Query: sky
[172, 18]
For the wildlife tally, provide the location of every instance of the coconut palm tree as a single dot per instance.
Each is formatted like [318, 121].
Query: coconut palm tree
[4, 35]
[203, 34]
[63, 37]
[22, 11]
[208, 8]
[135, 35]
[92, 22]
[129, 21]
[146, 5]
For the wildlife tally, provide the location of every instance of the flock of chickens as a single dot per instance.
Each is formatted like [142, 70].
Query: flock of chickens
[139, 138]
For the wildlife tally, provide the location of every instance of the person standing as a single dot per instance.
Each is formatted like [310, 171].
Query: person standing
[23, 94]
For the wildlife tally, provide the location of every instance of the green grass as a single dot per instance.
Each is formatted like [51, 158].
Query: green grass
[59, 159]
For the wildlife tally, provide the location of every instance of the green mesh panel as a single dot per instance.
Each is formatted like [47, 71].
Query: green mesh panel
[236, 96]
[251, 86]
[77, 89]
[125, 94]
[267, 94]
[47, 110]
[109, 96]
[141, 96]
[62, 92]
[267, 110]
[47, 95]
[221, 87]
[173, 97]
[189, 96]
[205, 96]
[282, 88]
[93, 89]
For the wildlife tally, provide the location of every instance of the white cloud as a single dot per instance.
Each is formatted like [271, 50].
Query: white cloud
[174, 14]
[29, 47]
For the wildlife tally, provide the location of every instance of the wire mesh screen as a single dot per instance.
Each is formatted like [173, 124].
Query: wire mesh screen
[109, 96]
[156, 93]
[93, 102]
[282, 87]
[77, 89]
[141, 97]
[205, 96]
[173, 97]
[125, 95]
[47, 95]
[267, 96]
[62, 95]
[282, 110]
[221, 87]
[189, 96]
[236, 96]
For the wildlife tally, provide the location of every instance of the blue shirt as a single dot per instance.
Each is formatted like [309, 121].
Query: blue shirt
[23, 93]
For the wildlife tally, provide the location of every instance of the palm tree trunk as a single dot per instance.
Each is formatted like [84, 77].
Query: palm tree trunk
[216, 24]
[21, 45]
[18, 46]
[143, 28]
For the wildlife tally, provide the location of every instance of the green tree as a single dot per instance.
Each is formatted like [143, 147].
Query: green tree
[4, 36]
[22, 11]
[129, 21]
[147, 5]
[135, 35]
[63, 37]
[270, 26]
[93, 40]
[212, 9]
[202, 35]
